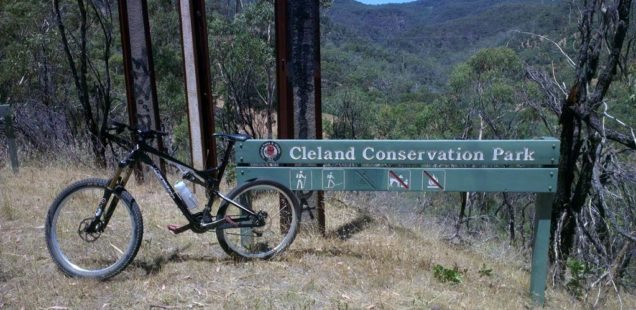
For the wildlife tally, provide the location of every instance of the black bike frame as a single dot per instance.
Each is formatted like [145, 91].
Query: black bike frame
[210, 179]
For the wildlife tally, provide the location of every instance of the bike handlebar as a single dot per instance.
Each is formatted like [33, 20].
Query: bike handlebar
[141, 134]
[145, 134]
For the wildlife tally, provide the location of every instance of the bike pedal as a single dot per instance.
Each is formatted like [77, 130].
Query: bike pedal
[176, 229]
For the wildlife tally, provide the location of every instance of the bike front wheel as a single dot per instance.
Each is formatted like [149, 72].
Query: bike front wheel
[101, 252]
[278, 210]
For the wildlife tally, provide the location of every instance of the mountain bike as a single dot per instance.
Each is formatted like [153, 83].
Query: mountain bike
[94, 226]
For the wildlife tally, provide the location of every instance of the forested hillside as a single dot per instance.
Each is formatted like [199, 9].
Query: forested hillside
[424, 39]
[428, 69]
[396, 57]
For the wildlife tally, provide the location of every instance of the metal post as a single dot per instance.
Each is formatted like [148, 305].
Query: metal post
[194, 42]
[303, 64]
[285, 98]
[139, 73]
[541, 246]
[320, 198]
[7, 120]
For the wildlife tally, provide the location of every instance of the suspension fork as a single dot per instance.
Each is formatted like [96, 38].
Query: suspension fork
[105, 209]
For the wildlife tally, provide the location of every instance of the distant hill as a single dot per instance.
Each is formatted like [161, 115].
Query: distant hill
[422, 40]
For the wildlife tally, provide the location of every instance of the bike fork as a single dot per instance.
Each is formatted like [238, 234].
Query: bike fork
[105, 210]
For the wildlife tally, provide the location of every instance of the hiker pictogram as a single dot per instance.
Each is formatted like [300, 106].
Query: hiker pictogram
[301, 180]
[333, 180]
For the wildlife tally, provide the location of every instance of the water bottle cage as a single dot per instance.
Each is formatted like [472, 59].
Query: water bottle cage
[188, 176]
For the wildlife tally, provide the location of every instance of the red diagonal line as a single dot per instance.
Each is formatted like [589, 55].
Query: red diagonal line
[433, 179]
[398, 178]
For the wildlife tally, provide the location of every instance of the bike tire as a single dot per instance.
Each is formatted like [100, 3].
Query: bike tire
[281, 225]
[98, 255]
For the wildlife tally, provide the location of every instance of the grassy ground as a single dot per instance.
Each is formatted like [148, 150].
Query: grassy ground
[383, 265]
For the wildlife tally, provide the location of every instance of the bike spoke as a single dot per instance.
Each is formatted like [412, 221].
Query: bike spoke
[277, 225]
[98, 252]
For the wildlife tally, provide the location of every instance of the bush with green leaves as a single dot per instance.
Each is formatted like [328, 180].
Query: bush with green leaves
[579, 271]
[444, 274]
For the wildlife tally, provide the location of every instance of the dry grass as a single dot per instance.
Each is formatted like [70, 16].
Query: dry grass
[379, 265]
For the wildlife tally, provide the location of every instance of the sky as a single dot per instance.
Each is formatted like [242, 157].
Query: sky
[383, 1]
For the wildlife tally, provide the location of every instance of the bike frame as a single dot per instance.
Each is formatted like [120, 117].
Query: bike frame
[210, 179]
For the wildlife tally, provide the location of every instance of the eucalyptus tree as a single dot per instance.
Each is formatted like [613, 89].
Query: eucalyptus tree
[243, 61]
[86, 33]
[488, 99]
[594, 213]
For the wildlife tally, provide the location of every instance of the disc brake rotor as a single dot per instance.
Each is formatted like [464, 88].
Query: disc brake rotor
[88, 236]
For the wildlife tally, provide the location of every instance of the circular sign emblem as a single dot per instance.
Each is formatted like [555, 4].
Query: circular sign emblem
[270, 151]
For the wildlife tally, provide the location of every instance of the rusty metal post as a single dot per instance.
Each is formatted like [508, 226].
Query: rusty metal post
[285, 98]
[194, 42]
[303, 64]
[139, 73]
[298, 73]
[6, 125]
[320, 203]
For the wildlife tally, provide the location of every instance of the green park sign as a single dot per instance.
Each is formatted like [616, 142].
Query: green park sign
[382, 165]
[418, 165]
[402, 152]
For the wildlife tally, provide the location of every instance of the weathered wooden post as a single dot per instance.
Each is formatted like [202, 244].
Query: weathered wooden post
[304, 67]
[139, 72]
[6, 120]
[194, 39]
[298, 75]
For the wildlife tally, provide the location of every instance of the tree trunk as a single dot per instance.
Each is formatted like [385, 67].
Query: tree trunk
[79, 71]
[602, 27]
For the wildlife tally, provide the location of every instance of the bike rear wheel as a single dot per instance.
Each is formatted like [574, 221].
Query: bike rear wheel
[98, 254]
[274, 235]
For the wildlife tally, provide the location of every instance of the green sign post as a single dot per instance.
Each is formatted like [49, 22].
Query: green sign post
[6, 121]
[403, 165]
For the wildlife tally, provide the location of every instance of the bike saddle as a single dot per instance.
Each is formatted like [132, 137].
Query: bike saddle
[234, 137]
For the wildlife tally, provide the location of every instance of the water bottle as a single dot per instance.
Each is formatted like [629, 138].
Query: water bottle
[186, 195]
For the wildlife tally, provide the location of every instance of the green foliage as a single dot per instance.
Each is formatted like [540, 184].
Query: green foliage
[394, 52]
[243, 61]
[579, 271]
[416, 45]
[168, 61]
[353, 119]
[181, 140]
[491, 96]
[29, 37]
[444, 274]
[493, 63]
[423, 40]
[406, 120]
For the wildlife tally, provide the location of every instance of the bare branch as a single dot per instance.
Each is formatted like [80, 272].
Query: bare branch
[594, 122]
[567, 57]
[550, 88]
[615, 45]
